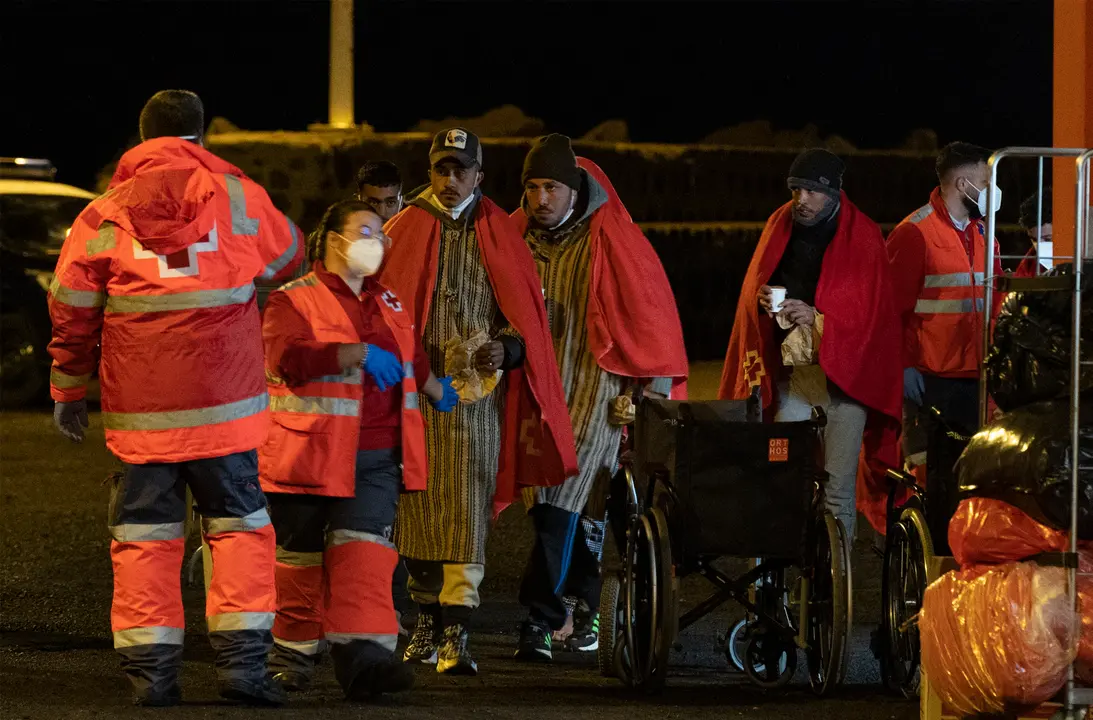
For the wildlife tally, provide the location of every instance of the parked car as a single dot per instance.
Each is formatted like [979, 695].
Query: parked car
[36, 214]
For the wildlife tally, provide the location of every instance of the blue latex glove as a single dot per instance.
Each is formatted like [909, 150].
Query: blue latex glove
[449, 399]
[383, 366]
[913, 386]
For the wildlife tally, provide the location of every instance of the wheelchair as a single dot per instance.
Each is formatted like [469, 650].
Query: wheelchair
[709, 481]
[917, 532]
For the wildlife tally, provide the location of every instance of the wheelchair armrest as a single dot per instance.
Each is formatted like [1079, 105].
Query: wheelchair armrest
[906, 480]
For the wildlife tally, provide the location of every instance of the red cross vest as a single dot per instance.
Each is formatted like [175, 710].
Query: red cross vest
[313, 440]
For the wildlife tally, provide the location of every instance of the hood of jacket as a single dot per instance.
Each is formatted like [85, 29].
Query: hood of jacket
[164, 193]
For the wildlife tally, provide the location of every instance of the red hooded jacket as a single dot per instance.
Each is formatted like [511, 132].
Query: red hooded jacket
[626, 277]
[160, 271]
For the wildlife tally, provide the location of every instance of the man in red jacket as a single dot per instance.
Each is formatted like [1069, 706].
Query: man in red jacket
[1035, 220]
[938, 256]
[614, 323]
[829, 260]
[160, 272]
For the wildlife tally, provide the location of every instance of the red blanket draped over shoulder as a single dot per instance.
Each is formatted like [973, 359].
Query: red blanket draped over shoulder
[537, 438]
[633, 323]
[861, 347]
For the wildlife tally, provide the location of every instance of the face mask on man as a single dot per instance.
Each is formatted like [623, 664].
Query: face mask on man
[977, 208]
[364, 256]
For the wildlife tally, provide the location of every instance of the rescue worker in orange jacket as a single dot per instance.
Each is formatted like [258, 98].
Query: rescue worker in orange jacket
[160, 271]
[938, 256]
[342, 446]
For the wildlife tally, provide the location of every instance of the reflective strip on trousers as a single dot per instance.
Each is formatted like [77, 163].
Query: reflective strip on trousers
[304, 647]
[312, 405]
[237, 198]
[965, 305]
[59, 380]
[248, 523]
[299, 559]
[228, 622]
[387, 642]
[286, 257]
[147, 532]
[341, 537]
[75, 298]
[161, 635]
[407, 369]
[353, 378]
[952, 280]
[196, 300]
[176, 419]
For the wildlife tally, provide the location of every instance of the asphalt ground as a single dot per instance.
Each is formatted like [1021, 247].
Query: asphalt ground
[56, 659]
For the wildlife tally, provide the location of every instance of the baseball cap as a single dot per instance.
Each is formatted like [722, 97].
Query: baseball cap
[458, 144]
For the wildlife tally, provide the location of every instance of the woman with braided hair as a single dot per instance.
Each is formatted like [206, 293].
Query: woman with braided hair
[344, 365]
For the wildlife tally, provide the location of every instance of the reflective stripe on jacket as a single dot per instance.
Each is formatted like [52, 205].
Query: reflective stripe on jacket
[159, 272]
[949, 309]
[313, 441]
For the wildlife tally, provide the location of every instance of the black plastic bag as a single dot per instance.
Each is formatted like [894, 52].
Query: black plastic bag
[1029, 360]
[1023, 458]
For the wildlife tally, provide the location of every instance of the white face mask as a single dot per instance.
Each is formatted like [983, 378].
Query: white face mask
[364, 257]
[981, 199]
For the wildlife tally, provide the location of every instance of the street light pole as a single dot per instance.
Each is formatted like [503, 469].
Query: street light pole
[341, 64]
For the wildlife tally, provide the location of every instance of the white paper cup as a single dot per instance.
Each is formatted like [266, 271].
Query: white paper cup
[777, 297]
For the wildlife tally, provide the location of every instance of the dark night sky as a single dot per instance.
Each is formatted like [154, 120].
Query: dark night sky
[76, 74]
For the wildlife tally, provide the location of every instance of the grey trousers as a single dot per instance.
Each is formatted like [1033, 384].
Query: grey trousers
[806, 387]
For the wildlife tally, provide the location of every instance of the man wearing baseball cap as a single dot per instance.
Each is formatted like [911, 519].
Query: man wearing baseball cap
[614, 324]
[459, 266]
[830, 260]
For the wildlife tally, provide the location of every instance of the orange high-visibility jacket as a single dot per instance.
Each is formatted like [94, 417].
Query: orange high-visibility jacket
[312, 444]
[160, 270]
[939, 291]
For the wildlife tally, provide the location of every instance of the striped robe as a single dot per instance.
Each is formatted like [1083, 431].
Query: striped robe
[449, 521]
[563, 259]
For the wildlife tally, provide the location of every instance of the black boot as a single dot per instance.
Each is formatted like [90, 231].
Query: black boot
[426, 637]
[452, 656]
[263, 692]
[365, 670]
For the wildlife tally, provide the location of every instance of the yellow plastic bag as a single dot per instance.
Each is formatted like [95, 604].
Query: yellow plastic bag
[469, 383]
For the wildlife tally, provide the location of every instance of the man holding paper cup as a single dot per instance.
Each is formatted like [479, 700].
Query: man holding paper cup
[815, 326]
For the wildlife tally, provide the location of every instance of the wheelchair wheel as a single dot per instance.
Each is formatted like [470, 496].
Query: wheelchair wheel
[641, 604]
[828, 606]
[907, 550]
[769, 661]
[666, 601]
[737, 644]
[611, 621]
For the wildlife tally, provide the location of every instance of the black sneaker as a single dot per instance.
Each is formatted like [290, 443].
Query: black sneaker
[266, 692]
[293, 681]
[424, 641]
[586, 630]
[166, 697]
[386, 677]
[534, 643]
[452, 656]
